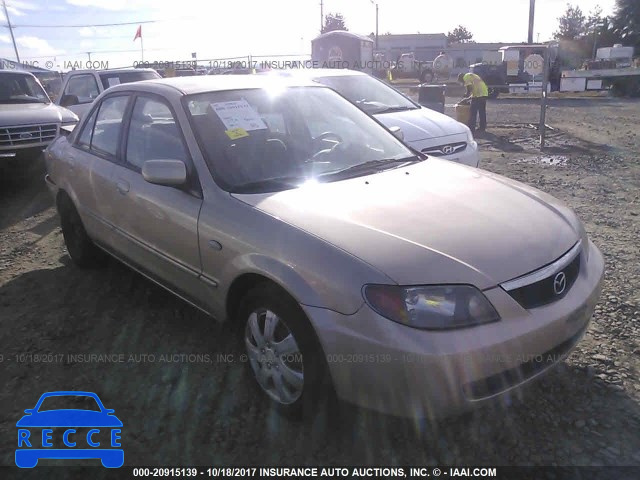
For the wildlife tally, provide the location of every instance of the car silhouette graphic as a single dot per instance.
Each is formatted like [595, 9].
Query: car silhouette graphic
[36, 435]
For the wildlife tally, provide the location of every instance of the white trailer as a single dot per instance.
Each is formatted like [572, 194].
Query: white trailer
[623, 80]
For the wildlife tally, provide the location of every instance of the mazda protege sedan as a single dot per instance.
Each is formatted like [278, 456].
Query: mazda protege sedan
[348, 262]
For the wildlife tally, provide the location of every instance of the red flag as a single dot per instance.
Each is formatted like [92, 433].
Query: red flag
[138, 33]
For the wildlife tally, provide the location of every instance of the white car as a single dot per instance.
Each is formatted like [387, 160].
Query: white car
[423, 129]
[81, 87]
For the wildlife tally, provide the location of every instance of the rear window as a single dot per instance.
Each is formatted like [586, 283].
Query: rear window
[112, 79]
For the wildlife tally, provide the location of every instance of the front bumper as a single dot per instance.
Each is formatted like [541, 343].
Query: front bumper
[388, 367]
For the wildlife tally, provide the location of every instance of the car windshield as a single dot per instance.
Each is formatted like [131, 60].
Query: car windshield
[68, 402]
[20, 88]
[262, 140]
[110, 79]
[368, 93]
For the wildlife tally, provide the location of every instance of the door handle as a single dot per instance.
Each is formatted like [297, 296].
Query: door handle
[123, 187]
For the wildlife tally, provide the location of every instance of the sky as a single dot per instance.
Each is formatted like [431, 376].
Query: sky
[216, 29]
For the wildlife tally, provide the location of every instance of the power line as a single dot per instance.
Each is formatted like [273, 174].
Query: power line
[84, 52]
[93, 25]
[114, 24]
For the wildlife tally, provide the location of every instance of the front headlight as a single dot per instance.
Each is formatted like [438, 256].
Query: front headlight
[431, 307]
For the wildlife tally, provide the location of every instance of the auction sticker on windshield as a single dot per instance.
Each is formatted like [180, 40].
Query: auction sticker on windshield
[238, 114]
[236, 133]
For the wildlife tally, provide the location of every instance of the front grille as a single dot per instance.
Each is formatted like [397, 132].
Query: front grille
[550, 288]
[448, 149]
[27, 135]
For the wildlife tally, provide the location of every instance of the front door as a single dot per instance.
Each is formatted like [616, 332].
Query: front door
[158, 225]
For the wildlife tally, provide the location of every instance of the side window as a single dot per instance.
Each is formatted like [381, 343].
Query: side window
[153, 134]
[84, 87]
[106, 132]
[85, 137]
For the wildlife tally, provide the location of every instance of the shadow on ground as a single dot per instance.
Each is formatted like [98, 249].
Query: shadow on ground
[199, 405]
[23, 192]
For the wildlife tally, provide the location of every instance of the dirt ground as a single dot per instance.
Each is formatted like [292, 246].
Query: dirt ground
[167, 369]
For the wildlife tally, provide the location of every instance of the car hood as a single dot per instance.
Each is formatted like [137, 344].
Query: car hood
[15, 114]
[432, 222]
[422, 124]
[69, 418]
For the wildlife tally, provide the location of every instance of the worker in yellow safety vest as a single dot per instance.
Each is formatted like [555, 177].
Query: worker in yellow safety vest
[477, 93]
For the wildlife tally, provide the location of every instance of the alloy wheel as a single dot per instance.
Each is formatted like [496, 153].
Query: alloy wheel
[275, 356]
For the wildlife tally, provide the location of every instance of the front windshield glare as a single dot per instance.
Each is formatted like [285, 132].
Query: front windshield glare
[18, 88]
[370, 94]
[260, 140]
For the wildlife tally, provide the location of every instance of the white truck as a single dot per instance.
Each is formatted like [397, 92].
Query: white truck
[81, 87]
[613, 70]
[29, 121]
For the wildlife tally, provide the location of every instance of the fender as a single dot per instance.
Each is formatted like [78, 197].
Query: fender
[297, 284]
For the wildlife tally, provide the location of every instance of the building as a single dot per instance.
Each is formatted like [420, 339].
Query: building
[425, 46]
[6, 64]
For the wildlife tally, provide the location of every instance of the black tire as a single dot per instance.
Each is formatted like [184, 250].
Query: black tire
[81, 248]
[316, 390]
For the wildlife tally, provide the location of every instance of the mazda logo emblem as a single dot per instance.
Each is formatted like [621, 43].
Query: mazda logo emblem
[24, 136]
[559, 283]
[447, 150]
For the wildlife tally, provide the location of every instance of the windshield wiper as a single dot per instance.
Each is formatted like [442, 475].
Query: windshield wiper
[373, 166]
[397, 108]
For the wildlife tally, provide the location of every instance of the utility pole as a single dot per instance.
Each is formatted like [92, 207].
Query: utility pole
[532, 9]
[321, 16]
[376, 25]
[6, 14]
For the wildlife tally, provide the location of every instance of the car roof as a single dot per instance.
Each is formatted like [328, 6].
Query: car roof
[112, 70]
[318, 72]
[212, 83]
[16, 72]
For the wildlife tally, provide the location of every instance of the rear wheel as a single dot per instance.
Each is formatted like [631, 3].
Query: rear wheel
[284, 355]
[81, 248]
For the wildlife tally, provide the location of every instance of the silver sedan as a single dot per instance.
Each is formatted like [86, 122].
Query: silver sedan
[350, 264]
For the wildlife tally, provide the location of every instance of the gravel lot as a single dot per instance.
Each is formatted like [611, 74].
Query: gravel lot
[202, 410]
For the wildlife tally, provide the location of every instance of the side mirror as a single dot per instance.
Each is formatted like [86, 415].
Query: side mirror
[397, 132]
[171, 173]
[109, 411]
[29, 411]
[69, 100]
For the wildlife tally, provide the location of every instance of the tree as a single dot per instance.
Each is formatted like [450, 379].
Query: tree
[594, 20]
[572, 24]
[626, 22]
[460, 34]
[334, 21]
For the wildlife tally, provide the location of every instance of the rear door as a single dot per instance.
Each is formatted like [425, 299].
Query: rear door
[158, 227]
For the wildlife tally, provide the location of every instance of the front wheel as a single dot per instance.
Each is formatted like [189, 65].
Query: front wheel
[284, 354]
